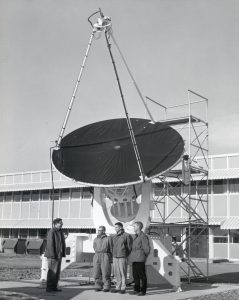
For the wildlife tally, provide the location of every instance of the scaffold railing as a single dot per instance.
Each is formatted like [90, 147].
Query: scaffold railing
[186, 186]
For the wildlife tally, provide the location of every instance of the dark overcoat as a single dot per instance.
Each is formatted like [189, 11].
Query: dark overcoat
[56, 246]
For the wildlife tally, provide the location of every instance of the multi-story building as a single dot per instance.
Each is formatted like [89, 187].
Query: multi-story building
[26, 207]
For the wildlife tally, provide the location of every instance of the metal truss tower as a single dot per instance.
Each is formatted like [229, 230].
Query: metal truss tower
[186, 185]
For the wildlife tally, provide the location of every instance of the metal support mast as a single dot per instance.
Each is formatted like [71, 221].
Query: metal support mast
[139, 162]
[75, 89]
[132, 77]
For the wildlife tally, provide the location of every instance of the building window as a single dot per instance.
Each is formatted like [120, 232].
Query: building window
[33, 233]
[17, 196]
[5, 233]
[56, 194]
[1, 197]
[159, 189]
[174, 188]
[234, 161]
[175, 233]
[65, 194]
[73, 230]
[219, 163]
[76, 193]
[8, 196]
[234, 237]
[86, 209]
[220, 239]
[86, 194]
[14, 233]
[42, 233]
[202, 187]
[219, 186]
[45, 195]
[220, 236]
[234, 185]
[45, 176]
[26, 196]
[192, 188]
[23, 233]
[35, 195]
[35, 177]
[83, 230]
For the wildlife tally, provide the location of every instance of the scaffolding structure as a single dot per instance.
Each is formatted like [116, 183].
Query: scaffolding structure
[186, 185]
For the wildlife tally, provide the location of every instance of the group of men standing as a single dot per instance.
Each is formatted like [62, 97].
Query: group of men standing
[121, 249]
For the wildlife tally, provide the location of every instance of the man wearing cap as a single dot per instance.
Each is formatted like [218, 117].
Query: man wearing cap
[122, 244]
[102, 260]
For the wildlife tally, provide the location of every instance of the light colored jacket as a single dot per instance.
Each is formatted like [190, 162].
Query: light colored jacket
[102, 244]
[140, 248]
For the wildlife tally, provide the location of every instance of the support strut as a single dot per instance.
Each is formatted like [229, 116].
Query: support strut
[139, 162]
[75, 89]
[132, 77]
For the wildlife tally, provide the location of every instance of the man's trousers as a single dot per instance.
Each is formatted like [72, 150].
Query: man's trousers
[120, 272]
[139, 275]
[53, 274]
[102, 270]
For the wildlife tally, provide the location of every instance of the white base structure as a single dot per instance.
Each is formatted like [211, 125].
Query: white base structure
[161, 266]
[130, 204]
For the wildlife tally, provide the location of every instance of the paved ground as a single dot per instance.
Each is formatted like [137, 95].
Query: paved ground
[71, 289]
[16, 272]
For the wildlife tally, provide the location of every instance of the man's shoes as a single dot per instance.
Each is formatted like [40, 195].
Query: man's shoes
[122, 292]
[53, 290]
[141, 294]
[106, 290]
[115, 291]
[133, 293]
[50, 290]
[98, 290]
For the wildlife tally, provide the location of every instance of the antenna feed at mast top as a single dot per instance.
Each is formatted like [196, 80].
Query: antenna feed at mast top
[103, 22]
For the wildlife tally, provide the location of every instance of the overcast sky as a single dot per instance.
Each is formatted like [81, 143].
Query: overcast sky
[170, 45]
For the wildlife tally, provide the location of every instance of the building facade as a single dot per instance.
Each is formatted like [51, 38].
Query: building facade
[26, 207]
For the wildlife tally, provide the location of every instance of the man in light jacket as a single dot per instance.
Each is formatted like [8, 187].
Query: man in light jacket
[55, 250]
[122, 244]
[139, 253]
[102, 260]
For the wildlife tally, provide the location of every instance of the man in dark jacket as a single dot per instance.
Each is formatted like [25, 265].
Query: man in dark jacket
[122, 244]
[102, 260]
[140, 251]
[55, 250]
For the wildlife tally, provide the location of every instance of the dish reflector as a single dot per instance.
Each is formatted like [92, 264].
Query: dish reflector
[102, 154]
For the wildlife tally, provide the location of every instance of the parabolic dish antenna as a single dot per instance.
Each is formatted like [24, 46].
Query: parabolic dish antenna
[102, 153]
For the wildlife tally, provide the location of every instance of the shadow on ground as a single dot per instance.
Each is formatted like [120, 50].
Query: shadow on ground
[225, 278]
[68, 292]
[232, 278]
